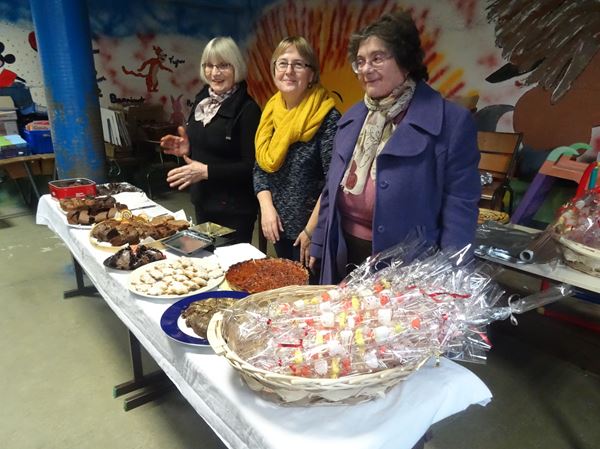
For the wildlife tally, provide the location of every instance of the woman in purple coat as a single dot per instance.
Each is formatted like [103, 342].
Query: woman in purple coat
[404, 159]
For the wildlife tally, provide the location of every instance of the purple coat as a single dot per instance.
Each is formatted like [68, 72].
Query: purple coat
[427, 181]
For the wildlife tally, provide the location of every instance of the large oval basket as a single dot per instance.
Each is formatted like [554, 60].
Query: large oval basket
[301, 390]
[580, 257]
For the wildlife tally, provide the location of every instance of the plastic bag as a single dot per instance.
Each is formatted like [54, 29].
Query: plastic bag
[505, 242]
[486, 178]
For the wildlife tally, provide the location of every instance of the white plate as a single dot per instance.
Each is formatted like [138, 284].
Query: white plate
[106, 246]
[71, 225]
[212, 283]
[132, 199]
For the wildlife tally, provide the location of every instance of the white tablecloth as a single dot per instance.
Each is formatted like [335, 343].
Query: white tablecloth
[243, 419]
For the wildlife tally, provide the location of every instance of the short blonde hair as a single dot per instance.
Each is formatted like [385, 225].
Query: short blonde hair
[224, 49]
[305, 50]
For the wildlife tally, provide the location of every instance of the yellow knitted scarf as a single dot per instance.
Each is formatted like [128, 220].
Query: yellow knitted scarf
[280, 127]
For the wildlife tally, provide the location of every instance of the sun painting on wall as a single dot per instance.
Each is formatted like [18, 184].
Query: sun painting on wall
[327, 27]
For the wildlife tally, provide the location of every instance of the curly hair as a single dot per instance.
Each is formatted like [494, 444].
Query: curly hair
[400, 34]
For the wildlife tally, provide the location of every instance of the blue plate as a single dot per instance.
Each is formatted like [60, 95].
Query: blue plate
[175, 327]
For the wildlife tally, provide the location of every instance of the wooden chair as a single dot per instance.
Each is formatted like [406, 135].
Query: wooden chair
[498, 157]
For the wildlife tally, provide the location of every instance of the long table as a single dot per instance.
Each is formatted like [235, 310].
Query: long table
[554, 271]
[241, 418]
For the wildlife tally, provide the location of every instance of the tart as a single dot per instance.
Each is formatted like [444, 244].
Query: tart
[259, 275]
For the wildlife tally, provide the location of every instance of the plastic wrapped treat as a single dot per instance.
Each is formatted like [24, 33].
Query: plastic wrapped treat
[577, 229]
[579, 219]
[395, 310]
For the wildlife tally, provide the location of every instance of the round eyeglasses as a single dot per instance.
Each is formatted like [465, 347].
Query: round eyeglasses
[221, 67]
[297, 66]
[376, 62]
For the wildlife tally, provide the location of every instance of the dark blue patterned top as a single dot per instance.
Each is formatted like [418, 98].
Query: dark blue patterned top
[296, 186]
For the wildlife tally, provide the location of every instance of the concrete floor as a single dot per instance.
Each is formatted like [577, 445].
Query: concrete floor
[59, 360]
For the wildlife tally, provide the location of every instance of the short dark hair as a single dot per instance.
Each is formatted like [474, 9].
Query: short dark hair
[400, 34]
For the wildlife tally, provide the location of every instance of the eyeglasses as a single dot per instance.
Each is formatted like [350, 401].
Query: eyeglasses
[221, 67]
[297, 66]
[376, 62]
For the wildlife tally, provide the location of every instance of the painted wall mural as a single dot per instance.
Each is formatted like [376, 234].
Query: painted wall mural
[511, 54]
[149, 69]
[328, 27]
[7, 76]
[20, 75]
[153, 66]
[555, 44]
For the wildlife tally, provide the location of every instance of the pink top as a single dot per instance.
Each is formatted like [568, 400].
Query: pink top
[357, 211]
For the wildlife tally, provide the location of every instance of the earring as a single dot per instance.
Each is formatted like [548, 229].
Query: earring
[310, 84]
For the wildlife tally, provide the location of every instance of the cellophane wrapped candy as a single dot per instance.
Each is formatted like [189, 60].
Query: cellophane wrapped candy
[579, 219]
[394, 310]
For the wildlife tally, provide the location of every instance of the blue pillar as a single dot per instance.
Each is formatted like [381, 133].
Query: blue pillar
[62, 30]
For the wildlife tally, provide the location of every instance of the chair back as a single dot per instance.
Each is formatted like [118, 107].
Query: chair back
[498, 151]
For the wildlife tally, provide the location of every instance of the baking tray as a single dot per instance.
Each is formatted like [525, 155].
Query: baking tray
[188, 242]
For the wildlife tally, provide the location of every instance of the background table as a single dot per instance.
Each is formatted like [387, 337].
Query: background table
[244, 420]
[28, 166]
[555, 271]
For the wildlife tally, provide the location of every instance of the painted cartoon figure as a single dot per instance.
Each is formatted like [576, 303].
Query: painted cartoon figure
[177, 116]
[7, 77]
[153, 64]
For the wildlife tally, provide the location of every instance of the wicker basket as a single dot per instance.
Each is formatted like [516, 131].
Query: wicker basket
[296, 390]
[580, 257]
[492, 215]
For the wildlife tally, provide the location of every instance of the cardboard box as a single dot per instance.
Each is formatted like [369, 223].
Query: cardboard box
[116, 152]
[8, 117]
[8, 127]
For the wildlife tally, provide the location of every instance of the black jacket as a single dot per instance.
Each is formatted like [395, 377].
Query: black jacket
[226, 145]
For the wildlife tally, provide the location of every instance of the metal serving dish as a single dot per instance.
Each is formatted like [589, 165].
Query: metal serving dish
[212, 229]
[188, 242]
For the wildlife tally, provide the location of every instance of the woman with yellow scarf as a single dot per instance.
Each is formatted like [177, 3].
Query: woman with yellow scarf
[293, 149]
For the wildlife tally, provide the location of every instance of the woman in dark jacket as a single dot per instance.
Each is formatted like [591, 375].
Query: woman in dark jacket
[218, 143]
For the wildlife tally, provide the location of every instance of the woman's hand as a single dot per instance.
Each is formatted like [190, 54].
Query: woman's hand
[191, 172]
[270, 223]
[303, 240]
[176, 145]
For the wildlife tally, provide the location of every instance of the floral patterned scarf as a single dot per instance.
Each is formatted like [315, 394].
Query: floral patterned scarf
[376, 131]
[207, 108]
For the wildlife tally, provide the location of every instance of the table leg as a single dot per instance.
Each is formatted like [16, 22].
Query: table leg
[31, 180]
[82, 289]
[20, 189]
[155, 384]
